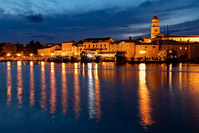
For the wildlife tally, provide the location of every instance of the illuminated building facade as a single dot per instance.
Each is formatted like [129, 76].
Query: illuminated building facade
[155, 29]
[186, 46]
[147, 50]
[69, 49]
[48, 51]
[95, 45]
[127, 46]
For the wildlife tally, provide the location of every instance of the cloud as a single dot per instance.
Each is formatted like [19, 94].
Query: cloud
[79, 19]
[2, 10]
[35, 18]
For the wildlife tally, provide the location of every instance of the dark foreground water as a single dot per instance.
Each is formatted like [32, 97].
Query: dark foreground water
[91, 97]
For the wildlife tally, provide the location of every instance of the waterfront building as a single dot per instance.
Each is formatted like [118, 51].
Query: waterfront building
[95, 45]
[186, 46]
[69, 48]
[146, 50]
[48, 51]
[127, 46]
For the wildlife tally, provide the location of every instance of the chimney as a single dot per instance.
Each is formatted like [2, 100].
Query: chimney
[129, 37]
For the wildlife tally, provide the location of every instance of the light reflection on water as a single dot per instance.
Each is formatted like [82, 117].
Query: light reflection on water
[76, 91]
[43, 88]
[64, 90]
[19, 84]
[153, 95]
[145, 109]
[9, 84]
[32, 85]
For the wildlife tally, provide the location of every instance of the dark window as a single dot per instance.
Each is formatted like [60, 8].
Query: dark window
[104, 45]
[153, 46]
[145, 46]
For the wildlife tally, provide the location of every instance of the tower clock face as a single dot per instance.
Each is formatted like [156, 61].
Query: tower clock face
[156, 30]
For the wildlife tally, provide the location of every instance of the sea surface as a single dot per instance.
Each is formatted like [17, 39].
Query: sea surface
[103, 97]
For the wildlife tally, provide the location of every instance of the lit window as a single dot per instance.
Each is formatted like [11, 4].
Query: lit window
[185, 48]
[138, 46]
[180, 48]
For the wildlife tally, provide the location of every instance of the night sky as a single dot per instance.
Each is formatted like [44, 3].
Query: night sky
[54, 21]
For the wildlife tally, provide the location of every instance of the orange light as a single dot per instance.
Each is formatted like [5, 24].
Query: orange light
[142, 52]
[31, 54]
[31, 63]
[18, 55]
[8, 54]
[52, 54]
[42, 54]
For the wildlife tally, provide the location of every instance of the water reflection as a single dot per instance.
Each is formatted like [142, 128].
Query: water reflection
[53, 90]
[144, 101]
[170, 76]
[43, 87]
[76, 91]
[97, 93]
[180, 75]
[9, 84]
[91, 94]
[64, 90]
[32, 86]
[19, 84]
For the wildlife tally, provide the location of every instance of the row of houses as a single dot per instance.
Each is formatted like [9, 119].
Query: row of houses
[186, 46]
[107, 47]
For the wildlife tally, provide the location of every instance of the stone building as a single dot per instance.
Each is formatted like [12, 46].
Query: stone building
[48, 51]
[69, 49]
[95, 45]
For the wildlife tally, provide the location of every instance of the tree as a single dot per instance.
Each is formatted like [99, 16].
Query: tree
[9, 48]
[32, 47]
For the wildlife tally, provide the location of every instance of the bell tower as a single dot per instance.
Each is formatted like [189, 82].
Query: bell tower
[155, 28]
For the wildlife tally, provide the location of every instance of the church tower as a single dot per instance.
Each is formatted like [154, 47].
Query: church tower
[155, 29]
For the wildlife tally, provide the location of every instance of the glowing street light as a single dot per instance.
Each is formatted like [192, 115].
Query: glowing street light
[90, 55]
[18, 55]
[52, 54]
[31, 55]
[8, 54]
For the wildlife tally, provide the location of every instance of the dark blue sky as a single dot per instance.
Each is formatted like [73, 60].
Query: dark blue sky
[66, 20]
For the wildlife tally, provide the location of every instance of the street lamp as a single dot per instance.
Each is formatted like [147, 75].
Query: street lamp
[18, 55]
[31, 55]
[8, 55]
